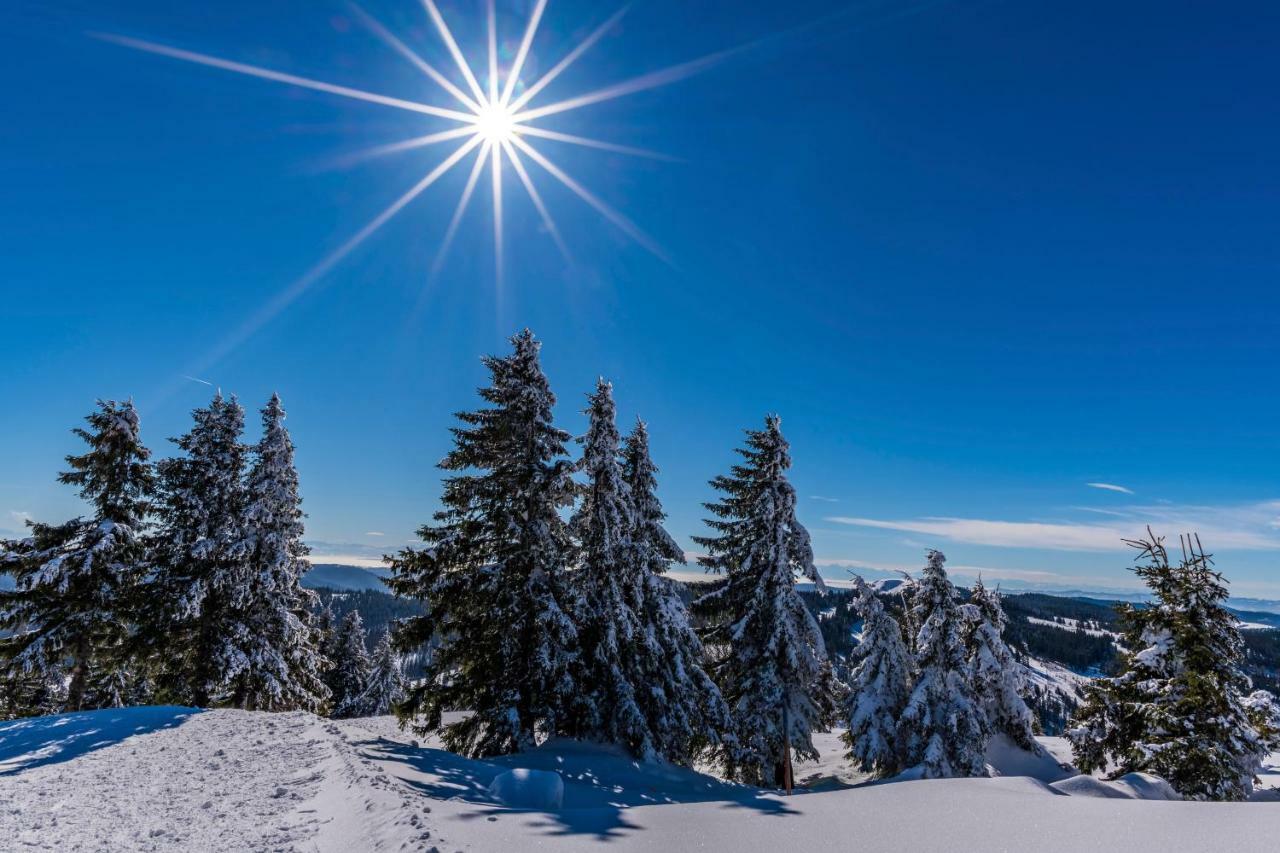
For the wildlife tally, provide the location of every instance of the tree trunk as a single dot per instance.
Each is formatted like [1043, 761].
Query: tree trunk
[79, 675]
[204, 653]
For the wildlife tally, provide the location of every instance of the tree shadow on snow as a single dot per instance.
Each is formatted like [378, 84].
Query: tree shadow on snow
[36, 741]
[600, 786]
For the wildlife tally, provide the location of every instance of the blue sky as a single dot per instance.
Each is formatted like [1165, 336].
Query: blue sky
[978, 255]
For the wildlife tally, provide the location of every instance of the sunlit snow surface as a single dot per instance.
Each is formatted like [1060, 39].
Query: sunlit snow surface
[181, 779]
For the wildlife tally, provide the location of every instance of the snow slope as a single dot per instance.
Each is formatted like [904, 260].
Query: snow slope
[170, 779]
[183, 779]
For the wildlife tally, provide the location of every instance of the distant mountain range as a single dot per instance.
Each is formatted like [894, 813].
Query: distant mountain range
[344, 578]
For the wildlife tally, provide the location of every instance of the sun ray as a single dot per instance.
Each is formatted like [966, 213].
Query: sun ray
[536, 198]
[559, 67]
[626, 225]
[291, 79]
[513, 74]
[652, 80]
[452, 45]
[463, 201]
[593, 143]
[404, 145]
[421, 64]
[496, 167]
[493, 54]
[290, 294]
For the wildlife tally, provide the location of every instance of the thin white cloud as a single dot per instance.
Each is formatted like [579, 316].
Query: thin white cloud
[20, 516]
[1025, 578]
[1110, 487]
[824, 499]
[196, 379]
[1008, 534]
[348, 560]
[375, 533]
[1245, 527]
[348, 553]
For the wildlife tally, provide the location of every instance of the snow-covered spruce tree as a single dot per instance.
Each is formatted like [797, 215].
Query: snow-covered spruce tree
[768, 655]
[384, 687]
[279, 666]
[1178, 708]
[1264, 713]
[491, 579]
[942, 729]
[998, 678]
[606, 592]
[879, 685]
[351, 666]
[201, 585]
[76, 583]
[685, 710]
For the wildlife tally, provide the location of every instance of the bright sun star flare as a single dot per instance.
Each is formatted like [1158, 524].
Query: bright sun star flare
[490, 119]
[496, 124]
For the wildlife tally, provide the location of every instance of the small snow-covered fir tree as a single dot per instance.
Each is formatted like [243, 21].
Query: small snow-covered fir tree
[768, 655]
[942, 729]
[491, 578]
[998, 678]
[384, 686]
[682, 704]
[607, 594]
[1264, 713]
[1178, 708]
[351, 666]
[279, 666]
[879, 685]
[202, 582]
[76, 583]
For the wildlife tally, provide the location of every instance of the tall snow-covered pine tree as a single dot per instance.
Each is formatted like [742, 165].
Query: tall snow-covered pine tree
[280, 666]
[768, 655]
[998, 678]
[202, 586]
[942, 729]
[607, 593]
[685, 710]
[76, 583]
[879, 685]
[491, 578]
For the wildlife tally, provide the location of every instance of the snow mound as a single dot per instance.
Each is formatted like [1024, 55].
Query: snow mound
[1088, 786]
[522, 788]
[1147, 787]
[1006, 758]
[1131, 786]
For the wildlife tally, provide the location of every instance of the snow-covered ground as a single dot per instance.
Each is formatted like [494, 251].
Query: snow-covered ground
[180, 779]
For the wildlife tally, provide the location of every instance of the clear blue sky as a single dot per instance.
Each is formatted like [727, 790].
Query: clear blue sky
[976, 254]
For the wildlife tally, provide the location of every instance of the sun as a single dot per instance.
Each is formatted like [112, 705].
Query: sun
[495, 124]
